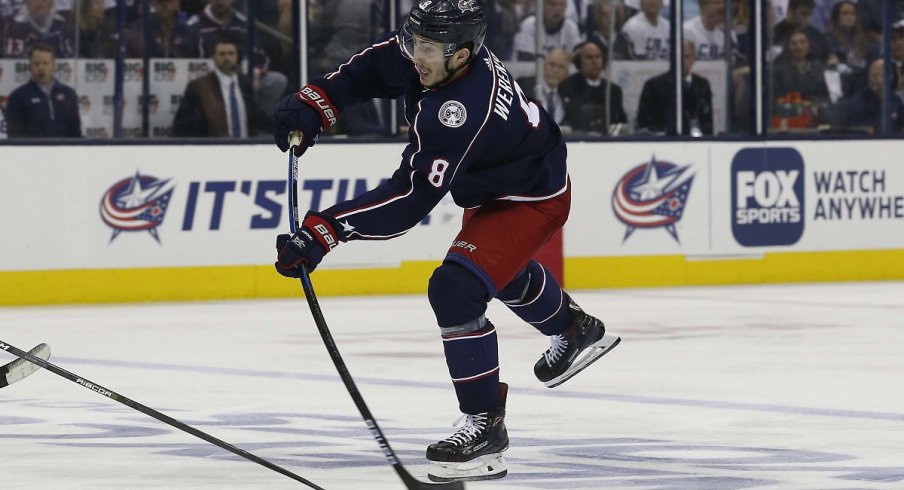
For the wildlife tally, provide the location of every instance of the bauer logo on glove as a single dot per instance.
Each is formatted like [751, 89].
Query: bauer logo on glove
[316, 237]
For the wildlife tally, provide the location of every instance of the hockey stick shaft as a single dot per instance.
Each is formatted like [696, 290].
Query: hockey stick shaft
[411, 482]
[20, 368]
[166, 419]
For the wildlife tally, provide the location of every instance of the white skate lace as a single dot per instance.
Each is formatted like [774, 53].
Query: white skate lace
[473, 426]
[557, 347]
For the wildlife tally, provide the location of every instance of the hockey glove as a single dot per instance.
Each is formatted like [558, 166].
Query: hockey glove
[308, 111]
[316, 237]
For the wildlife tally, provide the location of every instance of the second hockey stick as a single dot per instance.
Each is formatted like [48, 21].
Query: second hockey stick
[411, 482]
[151, 412]
[16, 370]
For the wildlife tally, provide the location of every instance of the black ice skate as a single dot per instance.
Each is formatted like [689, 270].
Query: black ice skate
[570, 352]
[474, 451]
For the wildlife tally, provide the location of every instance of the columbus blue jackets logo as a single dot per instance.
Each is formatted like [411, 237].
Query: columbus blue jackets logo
[453, 114]
[652, 195]
[136, 203]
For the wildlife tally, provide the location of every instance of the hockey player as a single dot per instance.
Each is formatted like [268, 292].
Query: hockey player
[474, 134]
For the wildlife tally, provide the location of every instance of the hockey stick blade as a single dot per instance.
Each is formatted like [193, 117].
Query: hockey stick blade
[166, 419]
[20, 368]
[411, 483]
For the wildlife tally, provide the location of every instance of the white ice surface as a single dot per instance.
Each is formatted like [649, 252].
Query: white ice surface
[766, 387]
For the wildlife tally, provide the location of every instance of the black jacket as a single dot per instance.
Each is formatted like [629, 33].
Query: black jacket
[585, 105]
[31, 114]
[655, 102]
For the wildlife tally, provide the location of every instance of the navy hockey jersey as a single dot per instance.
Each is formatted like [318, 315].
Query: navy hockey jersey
[478, 138]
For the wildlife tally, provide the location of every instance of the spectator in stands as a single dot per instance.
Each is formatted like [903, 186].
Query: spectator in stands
[822, 11]
[696, 101]
[560, 32]
[169, 36]
[66, 7]
[278, 44]
[43, 107]
[586, 94]
[863, 111]
[275, 20]
[850, 47]
[897, 54]
[798, 18]
[219, 18]
[647, 33]
[871, 14]
[220, 103]
[577, 10]
[37, 23]
[605, 27]
[502, 25]
[96, 31]
[796, 70]
[707, 30]
[555, 70]
[340, 31]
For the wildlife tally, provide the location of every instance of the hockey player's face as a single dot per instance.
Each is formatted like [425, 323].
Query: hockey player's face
[429, 61]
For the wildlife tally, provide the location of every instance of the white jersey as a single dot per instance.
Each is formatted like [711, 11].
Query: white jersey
[567, 37]
[709, 45]
[646, 41]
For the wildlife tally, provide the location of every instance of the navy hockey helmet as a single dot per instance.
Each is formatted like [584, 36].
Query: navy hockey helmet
[456, 24]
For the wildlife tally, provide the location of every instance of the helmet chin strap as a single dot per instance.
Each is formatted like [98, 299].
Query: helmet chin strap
[450, 72]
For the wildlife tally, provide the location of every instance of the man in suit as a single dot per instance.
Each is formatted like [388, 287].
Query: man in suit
[220, 18]
[586, 94]
[220, 103]
[862, 112]
[43, 107]
[696, 101]
[555, 69]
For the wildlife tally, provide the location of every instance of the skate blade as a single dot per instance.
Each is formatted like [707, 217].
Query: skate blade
[488, 467]
[595, 351]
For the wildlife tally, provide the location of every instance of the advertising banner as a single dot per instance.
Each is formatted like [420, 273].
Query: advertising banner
[166, 206]
[733, 199]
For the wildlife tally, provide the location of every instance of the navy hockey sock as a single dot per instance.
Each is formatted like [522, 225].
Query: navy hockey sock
[473, 361]
[459, 300]
[536, 297]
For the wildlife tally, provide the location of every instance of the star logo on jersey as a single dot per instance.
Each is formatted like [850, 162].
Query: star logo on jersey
[652, 195]
[136, 203]
[453, 114]
[347, 228]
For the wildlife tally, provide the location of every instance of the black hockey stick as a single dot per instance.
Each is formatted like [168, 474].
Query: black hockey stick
[15, 370]
[151, 412]
[411, 482]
